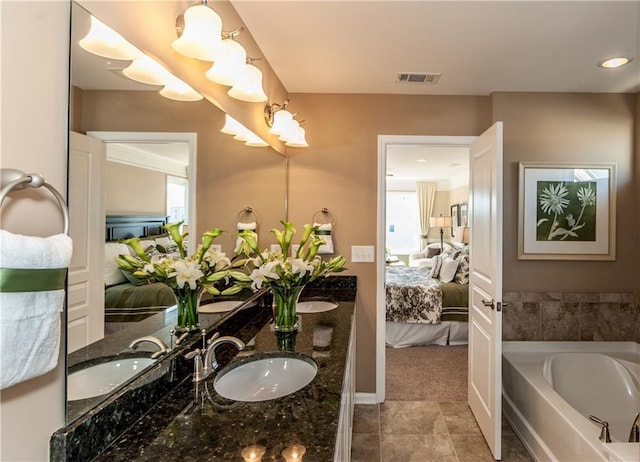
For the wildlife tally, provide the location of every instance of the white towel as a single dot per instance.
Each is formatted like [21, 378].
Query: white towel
[241, 227]
[30, 319]
[325, 233]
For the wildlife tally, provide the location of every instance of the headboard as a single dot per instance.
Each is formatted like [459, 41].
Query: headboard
[126, 226]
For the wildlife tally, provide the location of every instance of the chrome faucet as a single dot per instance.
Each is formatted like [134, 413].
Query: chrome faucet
[605, 436]
[162, 347]
[210, 362]
[634, 435]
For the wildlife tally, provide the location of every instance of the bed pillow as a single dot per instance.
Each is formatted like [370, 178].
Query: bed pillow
[448, 269]
[112, 273]
[462, 274]
[435, 266]
[433, 251]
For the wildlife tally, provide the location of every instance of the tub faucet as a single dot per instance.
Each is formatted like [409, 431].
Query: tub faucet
[634, 435]
[162, 347]
[605, 436]
[210, 362]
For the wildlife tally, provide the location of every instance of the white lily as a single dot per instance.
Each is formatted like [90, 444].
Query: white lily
[187, 272]
[300, 267]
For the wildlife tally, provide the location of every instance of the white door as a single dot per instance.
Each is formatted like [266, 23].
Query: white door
[485, 285]
[85, 316]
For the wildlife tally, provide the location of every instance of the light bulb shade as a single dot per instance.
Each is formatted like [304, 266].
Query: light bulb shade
[147, 70]
[282, 122]
[242, 134]
[290, 130]
[201, 35]
[180, 91]
[254, 140]
[231, 126]
[104, 41]
[248, 87]
[441, 222]
[229, 64]
[297, 139]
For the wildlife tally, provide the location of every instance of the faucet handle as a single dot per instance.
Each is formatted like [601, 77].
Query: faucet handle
[197, 364]
[605, 436]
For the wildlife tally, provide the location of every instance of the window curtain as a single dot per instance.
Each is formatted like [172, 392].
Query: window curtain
[426, 198]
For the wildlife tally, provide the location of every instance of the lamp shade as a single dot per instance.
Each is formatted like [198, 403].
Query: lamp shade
[248, 87]
[202, 34]
[180, 91]
[254, 140]
[147, 70]
[297, 139]
[229, 63]
[104, 41]
[231, 126]
[440, 222]
[465, 235]
[282, 121]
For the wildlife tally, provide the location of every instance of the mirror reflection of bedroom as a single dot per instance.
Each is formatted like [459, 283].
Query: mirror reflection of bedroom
[426, 272]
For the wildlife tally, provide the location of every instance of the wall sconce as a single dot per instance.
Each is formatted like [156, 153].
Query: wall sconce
[104, 41]
[248, 85]
[148, 71]
[283, 124]
[199, 33]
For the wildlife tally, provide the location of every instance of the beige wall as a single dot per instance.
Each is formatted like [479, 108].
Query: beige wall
[230, 176]
[637, 194]
[339, 171]
[459, 195]
[134, 190]
[34, 136]
[569, 128]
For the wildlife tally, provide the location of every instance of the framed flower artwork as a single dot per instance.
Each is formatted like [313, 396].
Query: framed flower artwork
[567, 211]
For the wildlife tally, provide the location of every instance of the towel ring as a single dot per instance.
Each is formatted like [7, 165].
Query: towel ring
[248, 211]
[12, 180]
[326, 214]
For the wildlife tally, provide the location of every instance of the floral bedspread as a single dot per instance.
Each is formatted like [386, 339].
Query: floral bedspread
[412, 296]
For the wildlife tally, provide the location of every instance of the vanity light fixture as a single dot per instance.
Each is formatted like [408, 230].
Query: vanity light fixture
[293, 453]
[147, 70]
[248, 85]
[199, 32]
[241, 133]
[230, 62]
[253, 453]
[104, 41]
[284, 125]
[615, 62]
[177, 90]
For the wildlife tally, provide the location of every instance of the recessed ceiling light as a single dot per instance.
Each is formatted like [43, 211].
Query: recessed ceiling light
[614, 62]
[421, 160]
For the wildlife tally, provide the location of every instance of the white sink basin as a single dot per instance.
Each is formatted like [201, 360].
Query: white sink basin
[102, 378]
[265, 376]
[315, 306]
[219, 307]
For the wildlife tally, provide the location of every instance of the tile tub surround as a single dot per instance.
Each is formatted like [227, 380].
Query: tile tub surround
[571, 316]
[215, 429]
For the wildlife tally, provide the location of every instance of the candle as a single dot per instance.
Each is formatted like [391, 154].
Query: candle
[294, 453]
[253, 453]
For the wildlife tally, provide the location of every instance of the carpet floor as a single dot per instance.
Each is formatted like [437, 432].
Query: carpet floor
[432, 373]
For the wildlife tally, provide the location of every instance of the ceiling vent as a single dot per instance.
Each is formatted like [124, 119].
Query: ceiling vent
[415, 77]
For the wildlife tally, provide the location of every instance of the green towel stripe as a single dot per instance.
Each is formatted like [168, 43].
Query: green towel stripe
[32, 280]
[322, 232]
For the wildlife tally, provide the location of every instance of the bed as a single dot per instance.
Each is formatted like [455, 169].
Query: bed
[127, 299]
[421, 310]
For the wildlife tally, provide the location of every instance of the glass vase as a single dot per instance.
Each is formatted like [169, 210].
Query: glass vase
[187, 301]
[284, 307]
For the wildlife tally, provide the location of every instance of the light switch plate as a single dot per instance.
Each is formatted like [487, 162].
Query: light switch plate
[216, 247]
[362, 253]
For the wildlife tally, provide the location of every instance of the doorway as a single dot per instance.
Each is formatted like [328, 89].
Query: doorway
[386, 144]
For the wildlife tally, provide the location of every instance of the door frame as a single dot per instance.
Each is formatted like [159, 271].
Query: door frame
[383, 142]
[164, 137]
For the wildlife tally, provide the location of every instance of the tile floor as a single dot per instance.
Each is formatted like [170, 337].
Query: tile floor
[425, 431]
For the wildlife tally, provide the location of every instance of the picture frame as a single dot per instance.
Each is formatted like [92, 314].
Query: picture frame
[566, 211]
[455, 218]
[464, 214]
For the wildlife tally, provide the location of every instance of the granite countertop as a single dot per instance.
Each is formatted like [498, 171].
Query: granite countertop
[201, 425]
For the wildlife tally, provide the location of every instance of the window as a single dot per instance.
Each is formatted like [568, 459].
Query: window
[177, 199]
[403, 222]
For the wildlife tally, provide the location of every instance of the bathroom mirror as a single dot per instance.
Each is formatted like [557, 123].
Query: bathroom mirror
[229, 176]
